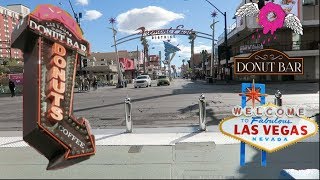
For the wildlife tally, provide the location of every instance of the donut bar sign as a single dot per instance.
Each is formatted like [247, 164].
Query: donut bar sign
[52, 42]
[268, 62]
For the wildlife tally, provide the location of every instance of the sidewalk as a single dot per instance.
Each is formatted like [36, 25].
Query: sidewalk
[233, 82]
[8, 94]
[152, 153]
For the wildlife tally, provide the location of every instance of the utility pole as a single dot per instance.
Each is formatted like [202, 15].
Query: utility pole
[226, 46]
[75, 14]
[138, 59]
[120, 75]
[78, 22]
[144, 60]
[225, 36]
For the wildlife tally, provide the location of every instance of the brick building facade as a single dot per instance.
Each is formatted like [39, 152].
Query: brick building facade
[9, 19]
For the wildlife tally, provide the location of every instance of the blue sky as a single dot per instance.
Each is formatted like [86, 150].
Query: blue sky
[193, 14]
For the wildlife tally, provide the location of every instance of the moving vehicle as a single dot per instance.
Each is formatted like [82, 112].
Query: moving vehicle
[163, 80]
[142, 81]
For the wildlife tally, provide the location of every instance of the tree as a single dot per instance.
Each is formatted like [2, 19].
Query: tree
[4, 70]
[145, 45]
[192, 37]
[204, 58]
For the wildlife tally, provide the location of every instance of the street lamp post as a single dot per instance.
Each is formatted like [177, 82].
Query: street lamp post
[225, 33]
[120, 77]
[213, 14]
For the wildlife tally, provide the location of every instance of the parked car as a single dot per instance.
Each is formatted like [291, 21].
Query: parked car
[163, 80]
[142, 81]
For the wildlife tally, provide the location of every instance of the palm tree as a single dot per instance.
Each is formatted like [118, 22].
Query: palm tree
[192, 37]
[204, 58]
[145, 45]
[183, 69]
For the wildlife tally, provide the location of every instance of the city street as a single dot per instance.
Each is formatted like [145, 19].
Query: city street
[165, 142]
[165, 106]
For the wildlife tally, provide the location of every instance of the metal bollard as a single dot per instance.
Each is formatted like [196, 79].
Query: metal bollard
[277, 99]
[202, 112]
[127, 109]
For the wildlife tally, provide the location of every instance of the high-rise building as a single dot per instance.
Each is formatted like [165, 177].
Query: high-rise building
[9, 19]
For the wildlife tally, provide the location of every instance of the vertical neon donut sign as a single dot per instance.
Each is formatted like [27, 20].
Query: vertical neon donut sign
[52, 42]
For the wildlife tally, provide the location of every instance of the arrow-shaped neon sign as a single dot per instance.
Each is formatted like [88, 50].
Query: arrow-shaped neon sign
[49, 125]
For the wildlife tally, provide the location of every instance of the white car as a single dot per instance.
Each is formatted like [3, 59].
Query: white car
[142, 81]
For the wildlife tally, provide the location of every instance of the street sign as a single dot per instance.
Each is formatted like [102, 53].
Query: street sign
[52, 42]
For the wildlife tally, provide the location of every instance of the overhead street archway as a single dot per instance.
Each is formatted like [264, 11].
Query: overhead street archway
[177, 31]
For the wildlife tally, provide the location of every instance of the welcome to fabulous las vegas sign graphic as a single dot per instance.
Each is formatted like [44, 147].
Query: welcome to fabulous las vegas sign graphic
[267, 127]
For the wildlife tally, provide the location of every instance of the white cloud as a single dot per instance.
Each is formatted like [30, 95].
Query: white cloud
[186, 50]
[151, 17]
[92, 15]
[83, 2]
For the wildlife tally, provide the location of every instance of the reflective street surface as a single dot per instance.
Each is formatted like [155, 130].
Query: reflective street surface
[163, 106]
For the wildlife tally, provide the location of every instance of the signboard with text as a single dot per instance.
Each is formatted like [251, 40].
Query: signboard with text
[171, 31]
[269, 127]
[266, 126]
[251, 48]
[268, 62]
[290, 6]
[54, 44]
[16, 78]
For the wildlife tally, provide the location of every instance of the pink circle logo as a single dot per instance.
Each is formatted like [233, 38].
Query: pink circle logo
[271, 17]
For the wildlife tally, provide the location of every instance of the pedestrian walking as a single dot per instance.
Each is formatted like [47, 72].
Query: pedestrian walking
[89, 82]
[12, 88]
[1, 88]
[86, 84]
[95, 83]
[82, 84]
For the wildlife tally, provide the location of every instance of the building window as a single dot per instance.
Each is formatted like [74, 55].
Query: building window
[310, 2]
